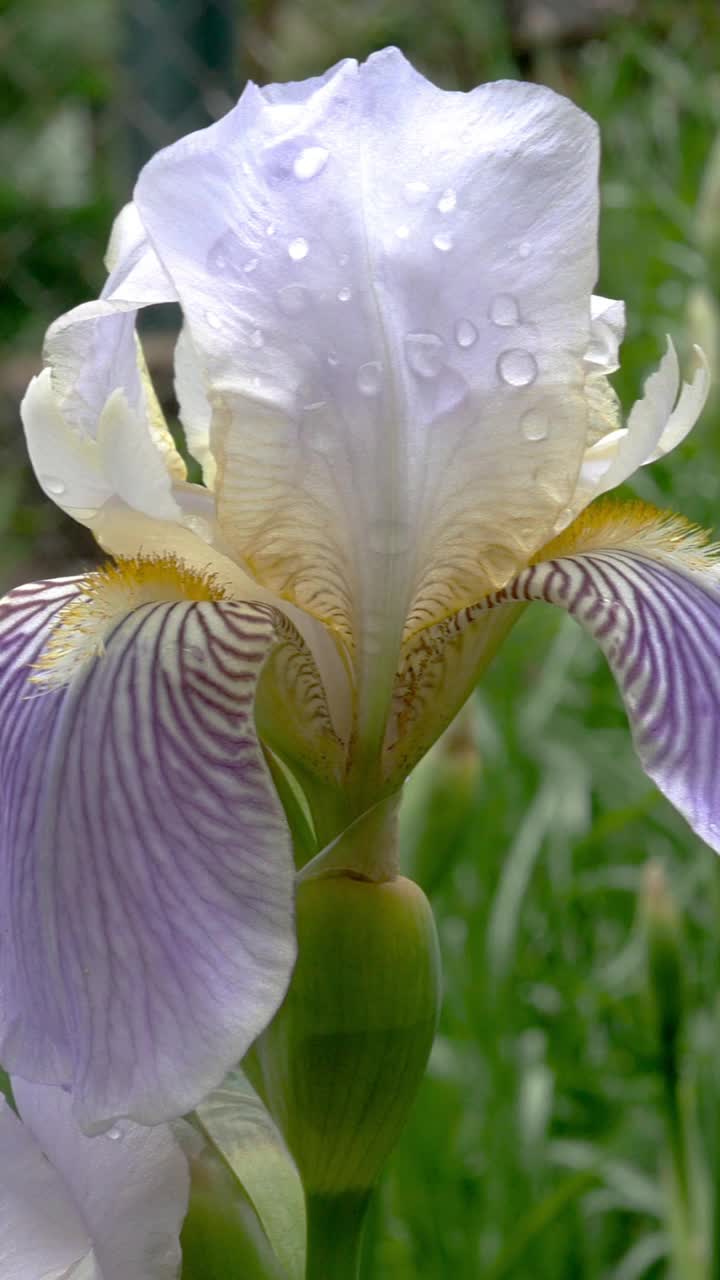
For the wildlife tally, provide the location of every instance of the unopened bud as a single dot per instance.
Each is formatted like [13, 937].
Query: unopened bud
[341, 1062]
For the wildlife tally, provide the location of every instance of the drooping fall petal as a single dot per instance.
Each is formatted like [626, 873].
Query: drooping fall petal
[146, 901]
[130, 1186]
[42, 1233]
[644, 584]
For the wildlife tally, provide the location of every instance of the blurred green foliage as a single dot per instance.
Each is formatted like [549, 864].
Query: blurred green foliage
[542, 1142]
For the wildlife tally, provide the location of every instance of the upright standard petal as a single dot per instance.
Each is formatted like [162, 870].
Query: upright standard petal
[146, 929]
[130, 1186]
[388, 289]
[645, 584]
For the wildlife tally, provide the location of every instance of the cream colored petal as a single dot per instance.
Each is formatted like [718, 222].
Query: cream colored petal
[195, 410]
[388, 287]
[659, 420]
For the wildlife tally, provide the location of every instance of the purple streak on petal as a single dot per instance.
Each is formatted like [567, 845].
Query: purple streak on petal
[658, 623]
[131, 1188]
[147, 866]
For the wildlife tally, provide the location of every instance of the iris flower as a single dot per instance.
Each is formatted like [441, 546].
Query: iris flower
[105, 1208]
[394, 376]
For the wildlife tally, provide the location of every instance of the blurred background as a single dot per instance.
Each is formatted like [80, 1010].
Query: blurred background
[569, 1126]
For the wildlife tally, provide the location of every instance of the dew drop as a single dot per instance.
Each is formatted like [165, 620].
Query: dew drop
[292, 299]
[504, 310]
[114, 1134]
[415, 191]
[309, 163]
[517, 368]
[298, 249]
[447, 201]
[369, 378]
[425, 353]
[213, 320]
[256, 339]
[443, 242]
[524, 249]
[402, 232]
[53, 484]
[535, 424]
[466, 335]
[270, 229]
[344, 294]
[389, 537]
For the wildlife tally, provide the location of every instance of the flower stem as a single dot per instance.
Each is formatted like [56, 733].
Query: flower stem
[334, 1235]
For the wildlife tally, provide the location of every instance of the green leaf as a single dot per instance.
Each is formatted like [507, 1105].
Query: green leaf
[236, 1123]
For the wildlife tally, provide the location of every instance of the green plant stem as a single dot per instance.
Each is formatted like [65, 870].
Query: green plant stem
[334, 1235]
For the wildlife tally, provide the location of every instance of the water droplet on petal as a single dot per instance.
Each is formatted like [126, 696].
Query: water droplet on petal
[270, 229]
[425, 353]
[447, 201]
[298, 249]
[292, 299]
[53, 484]
[524, 249]
[517, 368]
[344, 294]
[369, 378]
[415, 191]
[114, 1134]
[402, 232]
[466, 335]
[389, 537]
[504, 310]
[213, 320]
[309, 162]
[443, 242]
[256, 339]
[535, 423]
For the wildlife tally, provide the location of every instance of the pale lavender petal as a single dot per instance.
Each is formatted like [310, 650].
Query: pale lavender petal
[387, 287]
[657, 619]
[130, 1185]
[146, 899]
[42, 1235]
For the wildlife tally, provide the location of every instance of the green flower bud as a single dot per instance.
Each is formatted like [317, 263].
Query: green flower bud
[341, 1063]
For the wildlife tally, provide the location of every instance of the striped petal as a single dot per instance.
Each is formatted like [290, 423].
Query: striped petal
[146, 898]
[647, 588]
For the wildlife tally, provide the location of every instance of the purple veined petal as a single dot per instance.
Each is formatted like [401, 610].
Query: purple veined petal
[130, 1186]
[146, 929]
[657, 619]
[42, 1234]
